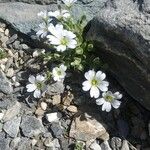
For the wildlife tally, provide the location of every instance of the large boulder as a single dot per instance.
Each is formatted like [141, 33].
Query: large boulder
[121, 32]
[23, 17]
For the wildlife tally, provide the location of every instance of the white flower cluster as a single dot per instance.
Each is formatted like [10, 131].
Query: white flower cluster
[62, 39]
[37, 84]
[95, 84]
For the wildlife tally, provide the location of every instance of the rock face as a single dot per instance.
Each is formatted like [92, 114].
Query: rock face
[25, 18]
[122, 40]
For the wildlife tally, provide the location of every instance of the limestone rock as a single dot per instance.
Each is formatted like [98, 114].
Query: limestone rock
[122, 40]
[52, 117]
[25, 20]
[86, 129]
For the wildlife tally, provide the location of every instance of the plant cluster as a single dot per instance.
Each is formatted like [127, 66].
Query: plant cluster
[69, 49]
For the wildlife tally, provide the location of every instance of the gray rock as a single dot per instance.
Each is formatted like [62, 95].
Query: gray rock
[57, 130]
[14, 143]
[12, 111]
[17, 46]
[55, 88]
[24, 46]
[25, 20]
[116, 143]
[31, 126]
[122, 40]
[12, 39]
[4, 142]
[24, 144]
[105, 146]
[125, 145]
[12, 127]
[52, 144]
[5, 84]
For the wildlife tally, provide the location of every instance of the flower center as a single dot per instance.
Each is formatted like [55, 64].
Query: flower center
[94, 82]
[64, 41]
[109, 98]
[39, 85]
[59, 72]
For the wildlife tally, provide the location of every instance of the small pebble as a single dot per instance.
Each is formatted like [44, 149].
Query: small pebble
[72, 109]
[10, 72]
[1, 115]
[52, 117]
[7, 32]
[39, 112]
[56, 99]
[24, 46]
[48, 142]
[1, 30]
[43, 105]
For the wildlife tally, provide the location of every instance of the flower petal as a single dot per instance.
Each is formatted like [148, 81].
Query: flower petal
[116, 104]
[100, 101]
[94, 92]
[86, 86]
[72, 44]
[53, 40]
[103, 86]
[90, 74]
[37, 93]
[61, 48]
[117, 95]
[40, 78]
[63, 67]
[31, 87]
[32, 79]
[101, 76]
[106, 107]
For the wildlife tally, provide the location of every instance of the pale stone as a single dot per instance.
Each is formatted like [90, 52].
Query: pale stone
[10, 72]
[72, 109]
[1, 115]
[95, 146]
[56, 99]
[43, 105]
[52, 117]
[86, 129]
[1, 30]
[7, 32]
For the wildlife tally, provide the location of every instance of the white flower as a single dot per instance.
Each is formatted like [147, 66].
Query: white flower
[95, 83]
[43, 15]
[60, 38]
[36, 85]
[59, 73]
[109, 99]
[69, 3]
[59, 14]
[43, 30]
